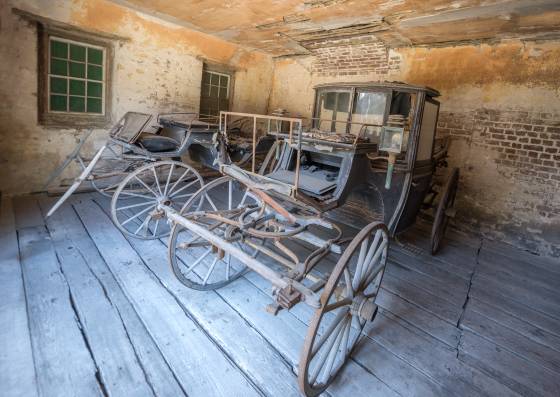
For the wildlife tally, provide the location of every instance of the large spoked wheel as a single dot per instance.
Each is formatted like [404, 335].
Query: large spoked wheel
[347, 304]
[197, 263]
[444, 211]
[134, 207]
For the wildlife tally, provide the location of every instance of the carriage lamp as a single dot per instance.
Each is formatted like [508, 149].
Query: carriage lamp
[391, 141]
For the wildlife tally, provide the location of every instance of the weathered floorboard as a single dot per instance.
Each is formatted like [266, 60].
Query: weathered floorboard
[506, 268]
[527, 325]
[244, 345]
[119, 369]
[17, 371]
[426, 300]
[63, 363]
[434, 262]
[439, 363]
[66, 225]
[526, 378]
[200, 365]
[542, 300]
[509, 339]
[519, 255]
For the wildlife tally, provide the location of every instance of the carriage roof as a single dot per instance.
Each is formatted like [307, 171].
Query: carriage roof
[431, 92]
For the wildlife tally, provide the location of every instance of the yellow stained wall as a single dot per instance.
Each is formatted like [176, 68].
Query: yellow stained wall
[509, 77]
[158, 70]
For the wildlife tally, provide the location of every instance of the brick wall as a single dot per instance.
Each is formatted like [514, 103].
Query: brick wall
[524, 149]
[527, 144]
[352, 56]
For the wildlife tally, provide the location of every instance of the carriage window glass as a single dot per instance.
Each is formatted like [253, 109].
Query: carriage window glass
[215, 91]
[76, 77]
[369, 108]
[333, 106]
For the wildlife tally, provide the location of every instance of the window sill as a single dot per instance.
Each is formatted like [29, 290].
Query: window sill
[61, 120]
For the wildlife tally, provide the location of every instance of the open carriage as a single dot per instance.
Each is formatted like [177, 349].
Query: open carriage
[368, 151]
[129, 147]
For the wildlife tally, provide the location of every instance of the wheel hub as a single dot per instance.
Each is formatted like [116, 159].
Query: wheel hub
[365, 308]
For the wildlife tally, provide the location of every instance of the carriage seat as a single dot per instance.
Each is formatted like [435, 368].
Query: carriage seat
[315, 182]
[157, 143]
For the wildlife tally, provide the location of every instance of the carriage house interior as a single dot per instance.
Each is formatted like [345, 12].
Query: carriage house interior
[280, 198]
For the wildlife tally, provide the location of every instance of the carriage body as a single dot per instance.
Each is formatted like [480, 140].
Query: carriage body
[380, 106]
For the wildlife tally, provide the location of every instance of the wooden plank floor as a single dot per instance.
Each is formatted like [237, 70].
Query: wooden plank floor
[86, 311]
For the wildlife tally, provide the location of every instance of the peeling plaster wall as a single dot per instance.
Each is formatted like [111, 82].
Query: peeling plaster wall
[501, 106]
[158, 70]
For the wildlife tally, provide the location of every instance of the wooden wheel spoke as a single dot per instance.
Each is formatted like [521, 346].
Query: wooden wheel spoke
[137, 195]
[154, 232]
[337, 304]
[342, 340]
[372, 271]
[211, 202]
[143, 225]
[136, 205]
[182, 196]
[198, 261]
[335, 323]
[371, 252]
[146, 186]
[168, 179]
[210, 270]
[183, 188]
[179, 180]
[138, 214]
[348, 283]
[360, 264]
[157, 180]
[370, 280]
[327, 354]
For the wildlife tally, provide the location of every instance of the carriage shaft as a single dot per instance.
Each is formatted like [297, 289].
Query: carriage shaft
[307, 295]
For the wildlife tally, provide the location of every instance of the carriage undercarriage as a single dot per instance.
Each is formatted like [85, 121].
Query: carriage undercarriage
[229, 230]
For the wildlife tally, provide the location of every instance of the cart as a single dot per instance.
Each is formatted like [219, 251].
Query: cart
[366, 159]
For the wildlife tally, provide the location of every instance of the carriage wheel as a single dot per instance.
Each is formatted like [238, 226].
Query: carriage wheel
[134, 207]
[197, 263]
[347, 304]
[442, 215]
[120, 168]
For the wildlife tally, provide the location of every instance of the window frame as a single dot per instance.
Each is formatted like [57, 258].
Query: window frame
[221, 70]
[70, 119]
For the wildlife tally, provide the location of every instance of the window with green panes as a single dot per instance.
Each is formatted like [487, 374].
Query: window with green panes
[76, 77]
[214, 96]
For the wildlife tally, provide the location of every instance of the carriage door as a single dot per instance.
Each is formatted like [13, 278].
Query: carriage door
[215, 93]
[423, 167]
